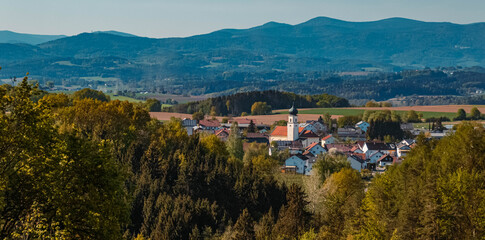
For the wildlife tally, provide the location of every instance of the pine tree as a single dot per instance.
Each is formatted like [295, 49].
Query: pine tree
[244, 227]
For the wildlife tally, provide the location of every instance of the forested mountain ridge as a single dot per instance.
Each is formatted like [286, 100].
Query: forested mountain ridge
[386, 43]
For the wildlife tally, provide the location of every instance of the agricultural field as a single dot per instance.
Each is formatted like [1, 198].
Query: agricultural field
[123, 98]
[427, 111]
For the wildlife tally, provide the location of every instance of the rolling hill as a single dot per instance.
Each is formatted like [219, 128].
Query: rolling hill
[251, 58]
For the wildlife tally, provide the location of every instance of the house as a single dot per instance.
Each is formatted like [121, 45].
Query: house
[308, 137]
[370, 148]
[356, 149]
[385, 160]
[340, 147]
[209, 124]
[301, 163]
[315, 149]
[256, 137]
[356, 162]
[307, 126]
[403, 150]
[189, 125]
[329, 139]
[319, 127]
[362, 126]
[298, 162]
[374, 157]
[222, 134]
[351, 133]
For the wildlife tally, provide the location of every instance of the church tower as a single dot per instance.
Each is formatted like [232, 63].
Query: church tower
[293, 124]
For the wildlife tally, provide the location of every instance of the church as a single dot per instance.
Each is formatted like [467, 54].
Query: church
[293, 133]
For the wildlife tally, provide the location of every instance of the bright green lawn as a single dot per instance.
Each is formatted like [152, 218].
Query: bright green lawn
[123, 98]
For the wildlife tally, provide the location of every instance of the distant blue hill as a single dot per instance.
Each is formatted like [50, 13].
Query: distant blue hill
[318, 45]
[33, 39]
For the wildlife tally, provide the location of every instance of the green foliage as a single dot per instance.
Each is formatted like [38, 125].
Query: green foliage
[260, 108]
[475, 114]
[293, 218]
[252, 127]
[54, 184]
[234, 143]
[347, 121]
[437, 192]
[327, 164]
[90, 93]
[412, 117]
[460, 115]
[198, 116]
[383, 123]
[244, 227]
[260, 102]
[343, 194]
[153, 105]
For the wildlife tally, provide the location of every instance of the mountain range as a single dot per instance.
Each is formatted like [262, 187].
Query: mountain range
[318, 45]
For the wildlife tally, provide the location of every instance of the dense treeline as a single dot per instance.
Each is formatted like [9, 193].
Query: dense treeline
[96, 170]
[90, 169]
[238, 103]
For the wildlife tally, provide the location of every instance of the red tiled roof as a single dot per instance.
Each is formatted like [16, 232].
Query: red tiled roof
[311, 146]
[209, 123]
[282, 131]
[308, 134]
[218, 132]
[354, 148]
[326, 137]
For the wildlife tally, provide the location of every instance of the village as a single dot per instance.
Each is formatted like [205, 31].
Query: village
[306, 141]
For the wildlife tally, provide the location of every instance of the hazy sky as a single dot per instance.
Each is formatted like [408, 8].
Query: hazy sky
[170, 18]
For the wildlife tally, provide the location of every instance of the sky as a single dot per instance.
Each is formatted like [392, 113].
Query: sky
[181, 18]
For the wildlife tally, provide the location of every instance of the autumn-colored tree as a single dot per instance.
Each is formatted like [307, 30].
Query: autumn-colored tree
[260, 108]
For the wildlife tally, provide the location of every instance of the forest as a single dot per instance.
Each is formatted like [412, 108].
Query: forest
[239, 103]
[82, 168]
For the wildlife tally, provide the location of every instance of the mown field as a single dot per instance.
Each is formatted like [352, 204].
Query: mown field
[354, 111]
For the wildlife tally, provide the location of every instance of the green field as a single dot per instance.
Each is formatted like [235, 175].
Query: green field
[123, 98]
[353, 112]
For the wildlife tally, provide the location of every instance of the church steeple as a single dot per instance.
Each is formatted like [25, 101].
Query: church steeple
[292, 125]
[293, 110]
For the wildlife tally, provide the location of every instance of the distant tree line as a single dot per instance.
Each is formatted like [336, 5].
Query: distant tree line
[239, 103]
